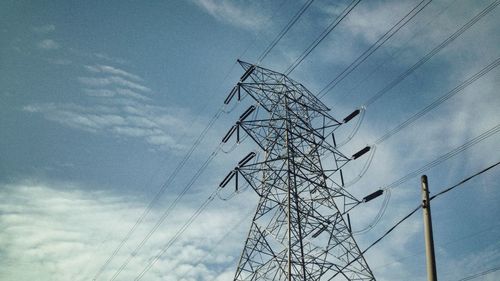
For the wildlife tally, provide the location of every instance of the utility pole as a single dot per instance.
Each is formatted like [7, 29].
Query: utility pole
[429, 240]
[299, 231]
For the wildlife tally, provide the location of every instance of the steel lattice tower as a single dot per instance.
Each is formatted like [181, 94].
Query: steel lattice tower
[299, 231]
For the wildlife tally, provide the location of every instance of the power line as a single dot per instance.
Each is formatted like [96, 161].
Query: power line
[440, 100]
[252, 42]
[160, 192]
[176, 170]
[392, 228]
[448, 95]
[418, 252]
[431, 198]
[322, 36]
[222, 239]
[375, 46]
[433, 52]
[166, 213]
[430, 165]
[491, 270]
[195, 145]
[403, 47]
[285, 29]
[428, 108]
[416, 209]
[446, 156]
[217, 115]
[155, 199]
[177, 235]
[464, 181]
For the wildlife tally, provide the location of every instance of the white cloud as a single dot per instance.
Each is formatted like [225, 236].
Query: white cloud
[120, 108]
[48, 44]
[110, 81]
[112, 70]
[106, 93]
[158, 126]
[44, 28]
[59, 61]
[109, 58]
[231, 12]
[60, 232]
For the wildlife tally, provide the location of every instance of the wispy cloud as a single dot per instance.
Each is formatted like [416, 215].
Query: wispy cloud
[119, 107]
[112, 81]
[48, 44]
[112, 70]
[158, 126]
[115, 92]
[59, 61]
[235, 13]
[108, 58]
[44, 28]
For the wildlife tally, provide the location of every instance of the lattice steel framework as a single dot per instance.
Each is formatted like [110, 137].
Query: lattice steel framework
[299, 231]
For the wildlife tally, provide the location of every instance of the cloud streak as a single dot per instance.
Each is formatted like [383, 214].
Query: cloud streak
[119, 107]
[44, 28]
[48, 44]
[158, 126]
[233, 13]
[113, 71]
[112, 81]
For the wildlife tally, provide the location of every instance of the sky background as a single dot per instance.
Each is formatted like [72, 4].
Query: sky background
[100, 101]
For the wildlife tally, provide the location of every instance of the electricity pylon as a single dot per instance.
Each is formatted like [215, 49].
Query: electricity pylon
[300, 230]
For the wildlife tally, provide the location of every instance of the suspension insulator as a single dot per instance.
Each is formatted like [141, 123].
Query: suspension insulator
[247, 112]
[247, 73]
[231, 95]
[229, 134]
[373, 195]
[352, 115]
[247, 158]
[229, 177]
[360, 153]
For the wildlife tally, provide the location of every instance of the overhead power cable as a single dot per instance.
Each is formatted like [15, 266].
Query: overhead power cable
[424, 111]
[480, 274]
[174, 173]
[221, 240]
[166, 213]
[405, 46]
[431, 198]
[457, 89]
[177, 235]
[446, 156]
[440, 100]
[375, 46]
[160, 192]
[461, 239]
[413, 212]
[188, 155]
[427, 167]
[194, 146]
[463, 181]
[285, 30]
[433, 52]
[322, 36]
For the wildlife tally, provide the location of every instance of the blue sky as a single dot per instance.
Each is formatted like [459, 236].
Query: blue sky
[99, 101]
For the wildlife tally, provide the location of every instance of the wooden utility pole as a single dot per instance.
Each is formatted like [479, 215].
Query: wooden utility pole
[429, 240]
